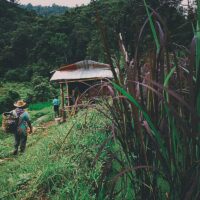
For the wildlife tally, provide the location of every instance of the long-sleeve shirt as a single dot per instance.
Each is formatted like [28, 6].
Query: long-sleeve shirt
[24, 119]
[56, 102]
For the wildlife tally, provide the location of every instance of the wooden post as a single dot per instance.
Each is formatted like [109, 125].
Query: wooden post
[62, 102]
[62, 95]
[68, 97]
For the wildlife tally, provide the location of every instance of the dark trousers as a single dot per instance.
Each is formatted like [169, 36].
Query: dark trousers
[20, 140]
[56, 110]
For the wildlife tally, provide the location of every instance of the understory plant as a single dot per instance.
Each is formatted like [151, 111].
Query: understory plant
[156, 118]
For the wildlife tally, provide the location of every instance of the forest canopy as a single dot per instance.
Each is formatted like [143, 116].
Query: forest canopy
[32, 43]
[138, 141]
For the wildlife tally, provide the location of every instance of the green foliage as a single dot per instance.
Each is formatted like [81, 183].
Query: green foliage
[28, 91]
[0, 119]
[18, 75]
[31, 43]
[6, 103]
[41, 113]
[156, 134]
[39, 106]
[152, 28]
[155, 122]
[23, 89]
[46, 10]
[56, 167]
[42, 90]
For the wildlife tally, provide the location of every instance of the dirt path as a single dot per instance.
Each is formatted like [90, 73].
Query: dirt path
[5, 159]
[43, 126]
[42, 129]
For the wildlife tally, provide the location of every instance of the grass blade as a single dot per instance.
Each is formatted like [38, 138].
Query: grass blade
[155, 132]
[152, 28]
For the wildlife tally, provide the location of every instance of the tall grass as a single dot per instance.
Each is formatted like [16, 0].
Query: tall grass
[156, 120]
[54, 167]
[39, 106]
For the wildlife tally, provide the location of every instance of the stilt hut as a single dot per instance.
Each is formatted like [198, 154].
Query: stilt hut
[75, 79]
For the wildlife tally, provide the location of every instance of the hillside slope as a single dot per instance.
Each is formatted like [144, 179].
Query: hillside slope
[31, 43]
[46, 10]
[57, 163]
[15, 32]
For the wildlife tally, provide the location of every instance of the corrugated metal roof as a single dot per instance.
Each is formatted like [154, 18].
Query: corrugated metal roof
[83, 70]
[86, 64]
[81, 74]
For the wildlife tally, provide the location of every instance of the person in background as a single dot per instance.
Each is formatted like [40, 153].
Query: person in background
[22, 123]
[56, 104]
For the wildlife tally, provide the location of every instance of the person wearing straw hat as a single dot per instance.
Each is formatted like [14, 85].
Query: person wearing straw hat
[22, 122]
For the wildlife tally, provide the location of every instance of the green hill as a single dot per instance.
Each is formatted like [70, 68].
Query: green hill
[141, 143]
[33, 44]
[58, 161]
[46, 10]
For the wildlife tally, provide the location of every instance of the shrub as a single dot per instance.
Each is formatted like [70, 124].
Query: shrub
[42, 90]
[18, 75]
[12, 75]
[41, 68]
[6, 103]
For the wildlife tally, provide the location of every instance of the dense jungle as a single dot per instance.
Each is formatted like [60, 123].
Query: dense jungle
[142, 141]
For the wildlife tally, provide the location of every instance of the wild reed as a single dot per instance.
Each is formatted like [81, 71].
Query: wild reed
[156, 119]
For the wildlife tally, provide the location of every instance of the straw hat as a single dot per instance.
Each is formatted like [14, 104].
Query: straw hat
[19, 104]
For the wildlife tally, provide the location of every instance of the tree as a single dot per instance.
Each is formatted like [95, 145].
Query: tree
[40, 44]
[6, 103]
[42, 90]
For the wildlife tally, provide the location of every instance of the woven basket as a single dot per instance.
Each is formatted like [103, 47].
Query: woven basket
[7, 123]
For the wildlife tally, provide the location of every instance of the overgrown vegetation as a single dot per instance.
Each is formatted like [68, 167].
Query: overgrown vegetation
[46, 10]
[58, 161]
[155, 117]
[34, 44]
[10, 92]
[141, 144]
[38, 90]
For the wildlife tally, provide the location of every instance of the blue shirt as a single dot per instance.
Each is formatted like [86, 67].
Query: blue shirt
[56, 102]
[23, 120]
